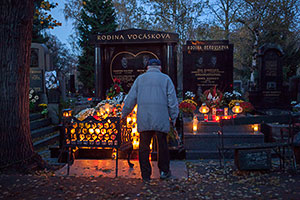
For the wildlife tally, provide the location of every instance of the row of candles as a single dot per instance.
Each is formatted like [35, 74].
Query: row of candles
[204, 109]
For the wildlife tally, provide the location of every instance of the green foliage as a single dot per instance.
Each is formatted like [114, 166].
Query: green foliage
[96, 17]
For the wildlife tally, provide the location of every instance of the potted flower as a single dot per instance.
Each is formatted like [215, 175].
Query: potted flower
[187, 107]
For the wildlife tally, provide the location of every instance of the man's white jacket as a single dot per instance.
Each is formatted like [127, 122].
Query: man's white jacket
[155, 95]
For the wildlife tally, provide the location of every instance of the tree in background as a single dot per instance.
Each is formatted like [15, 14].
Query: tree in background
[224, 12]
[178, 16]
[129, 14]
[272, 21]
[96, 17]
[16, 149]
[43, 20]
[61, 58]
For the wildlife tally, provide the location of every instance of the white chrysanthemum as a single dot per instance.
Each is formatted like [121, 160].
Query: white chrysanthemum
[236, 93]
[297, 106]
[36, 97]
[30, 96]
[33, 100]
[31, 91]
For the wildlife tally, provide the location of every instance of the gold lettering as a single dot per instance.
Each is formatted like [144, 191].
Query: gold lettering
[109, 37]
[158, 36]
[129, 37]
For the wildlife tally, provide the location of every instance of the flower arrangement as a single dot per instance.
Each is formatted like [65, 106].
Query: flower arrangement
[212, 97]
[295, 106]
[85, 113]
[43, 108]
[104, 109]
[189, 95]
[233, 102]
[247, 106]
[115, 89]
[33, 98]
[228, 96]
[187, 106]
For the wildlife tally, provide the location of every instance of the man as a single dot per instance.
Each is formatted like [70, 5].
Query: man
[155, 96]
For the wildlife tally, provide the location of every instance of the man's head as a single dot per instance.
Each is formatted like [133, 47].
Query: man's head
[154, 63]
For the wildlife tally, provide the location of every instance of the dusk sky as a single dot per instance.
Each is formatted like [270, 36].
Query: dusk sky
[62, 32]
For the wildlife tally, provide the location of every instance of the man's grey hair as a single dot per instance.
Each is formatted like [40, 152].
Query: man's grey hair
[154, 66]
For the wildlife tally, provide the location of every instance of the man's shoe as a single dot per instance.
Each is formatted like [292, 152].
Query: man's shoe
[165, 175]
[146, 180]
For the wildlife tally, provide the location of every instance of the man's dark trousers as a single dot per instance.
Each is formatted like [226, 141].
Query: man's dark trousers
[144, 151]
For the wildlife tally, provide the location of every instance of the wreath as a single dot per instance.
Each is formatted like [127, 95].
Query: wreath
[212, 97]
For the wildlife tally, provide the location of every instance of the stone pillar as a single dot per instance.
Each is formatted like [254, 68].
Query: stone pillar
[98, 73]
[171, 68]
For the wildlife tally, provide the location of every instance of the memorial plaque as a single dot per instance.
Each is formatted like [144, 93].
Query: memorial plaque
[36, 80]
[206, 64]
[258, 159]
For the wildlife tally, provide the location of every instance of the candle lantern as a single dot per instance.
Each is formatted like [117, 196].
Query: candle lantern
[225, 111]
[195, 124]
[67, 113]
[255, 128]
[204, 109]
[237, 109]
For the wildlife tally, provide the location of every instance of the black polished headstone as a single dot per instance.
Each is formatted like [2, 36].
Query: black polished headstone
[270, 76]
[124, 55]
[207, 64]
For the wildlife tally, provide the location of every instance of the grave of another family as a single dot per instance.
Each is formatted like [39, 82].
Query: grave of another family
[271, 93]
[39, 63]
[207, 64]
[124, 55]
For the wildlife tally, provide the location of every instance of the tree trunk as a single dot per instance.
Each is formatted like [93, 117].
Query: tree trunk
[16, 17]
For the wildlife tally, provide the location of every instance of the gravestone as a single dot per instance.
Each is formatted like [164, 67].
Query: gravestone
[257, 159]
[39, 63]
[270, 77]
[206, 64]
[124, 55]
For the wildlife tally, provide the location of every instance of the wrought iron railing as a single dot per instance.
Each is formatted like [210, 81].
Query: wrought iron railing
[90, 132]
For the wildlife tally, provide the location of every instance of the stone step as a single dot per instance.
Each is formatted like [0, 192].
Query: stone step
[36, 124]
[46, 141]
[35, 116]
[210, 127]
[43, 131]
[209, 141]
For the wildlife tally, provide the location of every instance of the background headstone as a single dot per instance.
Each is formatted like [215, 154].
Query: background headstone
[206, 64]
[270, 79]
[39, 63]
